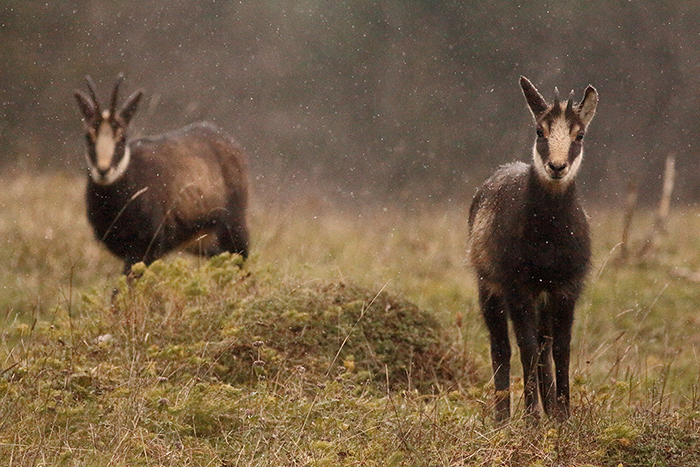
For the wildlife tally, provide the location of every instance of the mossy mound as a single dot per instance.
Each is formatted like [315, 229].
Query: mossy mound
[333, 328]
[220, 320]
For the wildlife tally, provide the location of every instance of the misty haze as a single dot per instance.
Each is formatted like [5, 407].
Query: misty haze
[405, 100]
[348, 328]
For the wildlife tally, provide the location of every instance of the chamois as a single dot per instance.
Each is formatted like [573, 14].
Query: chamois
[530, 247]
[149, 196]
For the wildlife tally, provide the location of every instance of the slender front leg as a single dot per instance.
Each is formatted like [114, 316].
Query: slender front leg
[545, 374]
[524, 320]
[496, 317]
[563, 319]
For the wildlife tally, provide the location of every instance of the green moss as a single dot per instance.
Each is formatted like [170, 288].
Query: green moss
[246, 329]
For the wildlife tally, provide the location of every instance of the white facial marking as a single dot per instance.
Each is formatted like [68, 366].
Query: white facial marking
[539, 165]
[104, 146]
[559, 139]
[574, 168]
[114, 173]
[559, 142]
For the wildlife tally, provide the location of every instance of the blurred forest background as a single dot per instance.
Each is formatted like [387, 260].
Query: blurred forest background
[399, 100]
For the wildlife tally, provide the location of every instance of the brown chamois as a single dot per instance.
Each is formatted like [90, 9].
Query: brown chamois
[149, 196]
[530, 247]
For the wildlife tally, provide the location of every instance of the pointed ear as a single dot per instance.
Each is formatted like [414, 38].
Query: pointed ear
[586, 109]
[126, 112]
[538, 106]
[86, 105]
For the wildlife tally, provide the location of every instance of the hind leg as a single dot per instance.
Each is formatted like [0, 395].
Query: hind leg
[496, 318]
[233, 236]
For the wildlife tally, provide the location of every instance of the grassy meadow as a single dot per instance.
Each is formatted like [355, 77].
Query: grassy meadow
[351, 337]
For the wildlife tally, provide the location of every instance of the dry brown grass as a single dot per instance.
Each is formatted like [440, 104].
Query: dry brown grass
[311, 355]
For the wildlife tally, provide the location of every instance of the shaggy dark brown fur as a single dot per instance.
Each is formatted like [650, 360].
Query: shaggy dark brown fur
[184, 189]
[530, 247]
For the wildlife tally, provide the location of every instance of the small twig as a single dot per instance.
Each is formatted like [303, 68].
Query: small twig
[650, 245]
[665, 203]
[630, 206]
[8, 369]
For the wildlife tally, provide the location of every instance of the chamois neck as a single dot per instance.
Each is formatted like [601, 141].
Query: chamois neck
[119, 188]
[550, 193]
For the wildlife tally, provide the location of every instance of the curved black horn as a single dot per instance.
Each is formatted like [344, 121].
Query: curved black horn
[556, 97]
[115, 92]
[93, 94]
[570, 102]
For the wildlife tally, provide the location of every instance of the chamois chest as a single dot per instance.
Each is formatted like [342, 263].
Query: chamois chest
[119, 220]
[555, 243]
[523, 233]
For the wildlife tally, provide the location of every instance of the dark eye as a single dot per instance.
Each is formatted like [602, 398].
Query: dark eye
[579, 137]
[540, 133]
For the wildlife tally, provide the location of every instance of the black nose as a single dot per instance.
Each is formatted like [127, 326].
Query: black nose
[557, 167]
